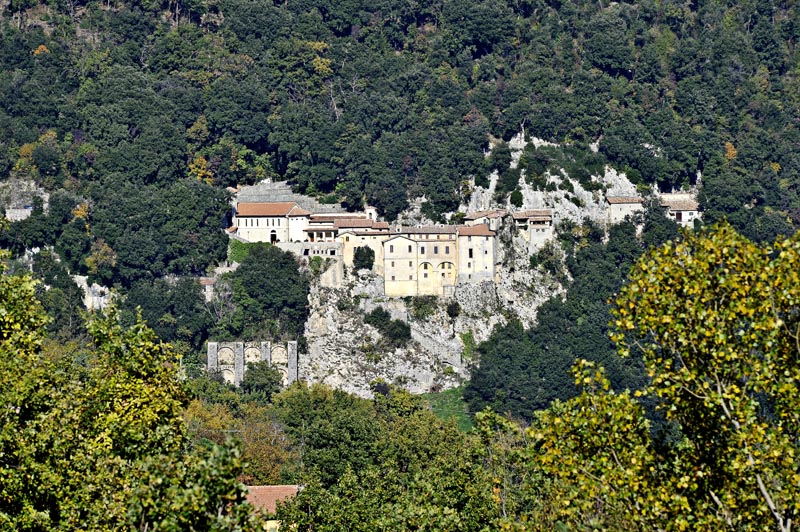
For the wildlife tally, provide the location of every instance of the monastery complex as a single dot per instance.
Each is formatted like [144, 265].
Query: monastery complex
[412, 260]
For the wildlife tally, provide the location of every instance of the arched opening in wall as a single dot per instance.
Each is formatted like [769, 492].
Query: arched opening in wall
[273, 237]
[228, 376]
[225, 356]
[279, 355]
[284, 376]
[252, 355]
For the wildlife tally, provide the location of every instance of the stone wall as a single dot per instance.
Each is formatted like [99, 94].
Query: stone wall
[231, 359]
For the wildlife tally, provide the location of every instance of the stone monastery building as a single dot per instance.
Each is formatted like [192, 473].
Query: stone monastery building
[419, 260]
[427, 260]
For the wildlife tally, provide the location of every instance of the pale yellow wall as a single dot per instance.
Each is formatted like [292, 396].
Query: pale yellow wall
[441, 258]
[351, 241]
[400, 267]
[480, 266]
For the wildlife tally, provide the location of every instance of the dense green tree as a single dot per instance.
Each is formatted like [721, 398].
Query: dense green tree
[270, 294]
[95, 439]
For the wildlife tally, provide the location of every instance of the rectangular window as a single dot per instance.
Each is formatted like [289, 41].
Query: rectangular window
[410, 265]
[425, 275]
[392, 277]
[469, 239]
[409, 249]
[447, 250]
[470, 252]
[392, 264]
[435, 249]
[422, 250]
[347, 239]
[410, 277]
[391, 250]
[469, 265]
[425, 266]
[485, 251]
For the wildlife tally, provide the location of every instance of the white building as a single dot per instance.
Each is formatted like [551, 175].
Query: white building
[271, 222]
[681, 207]
[535, 226]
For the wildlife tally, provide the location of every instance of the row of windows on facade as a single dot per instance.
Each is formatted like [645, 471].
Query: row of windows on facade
[270, 222]
[424, 276]
[422, 249]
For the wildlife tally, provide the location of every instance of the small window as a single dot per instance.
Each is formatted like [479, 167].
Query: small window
[470, 253]
[410, 264]
[425, 266]
[391, 250]
[469, 265]
[410, 277]
[469, 239]
[392, 264]
[485, 251]
[392, 277]
[347, 239]
[422, 250]
[409, 249]
[443, 276]
[425, 275]
[447, 250]
[435, 249]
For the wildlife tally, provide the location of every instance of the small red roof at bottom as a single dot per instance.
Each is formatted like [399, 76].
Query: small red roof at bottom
[266, 498]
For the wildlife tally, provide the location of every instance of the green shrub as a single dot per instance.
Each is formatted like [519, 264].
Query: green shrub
[423, 307]
[238, 251]
[363, 258]
[453, 309]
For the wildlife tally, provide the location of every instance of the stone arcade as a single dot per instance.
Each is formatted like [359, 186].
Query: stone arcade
[231, 359]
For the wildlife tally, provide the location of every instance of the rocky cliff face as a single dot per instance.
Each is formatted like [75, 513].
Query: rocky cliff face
[345, 352]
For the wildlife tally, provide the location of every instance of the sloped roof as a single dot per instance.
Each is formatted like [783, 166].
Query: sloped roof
[475, 230]
[428, 230]
[536, 213]
[266, 498]
[299, 211]
[269, 209]
[494, 213]
[679, 202]
[620, 200]
[359, 223]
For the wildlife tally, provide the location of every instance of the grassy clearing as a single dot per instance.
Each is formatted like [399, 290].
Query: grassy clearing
[449, 404]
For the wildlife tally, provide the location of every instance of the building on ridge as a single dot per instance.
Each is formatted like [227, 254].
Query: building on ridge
[620, 207]
[681, 207]
[535, 226]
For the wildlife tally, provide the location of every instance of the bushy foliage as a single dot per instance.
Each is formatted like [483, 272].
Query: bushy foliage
[95, 438]
[396, 333]
[363, 258]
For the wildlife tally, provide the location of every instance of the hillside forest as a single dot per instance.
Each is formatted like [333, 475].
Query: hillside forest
[658, 391]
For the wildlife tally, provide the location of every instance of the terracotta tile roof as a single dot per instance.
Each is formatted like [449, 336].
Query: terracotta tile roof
[536, 213]
[494, 213]
[619, 200]
[475, 230]
[265, 209]
[679, 202]
[360, 223]
[299, 211]
[322, 218]
[266, 498]
[231, 229]
[428, 230]
[352, 222]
